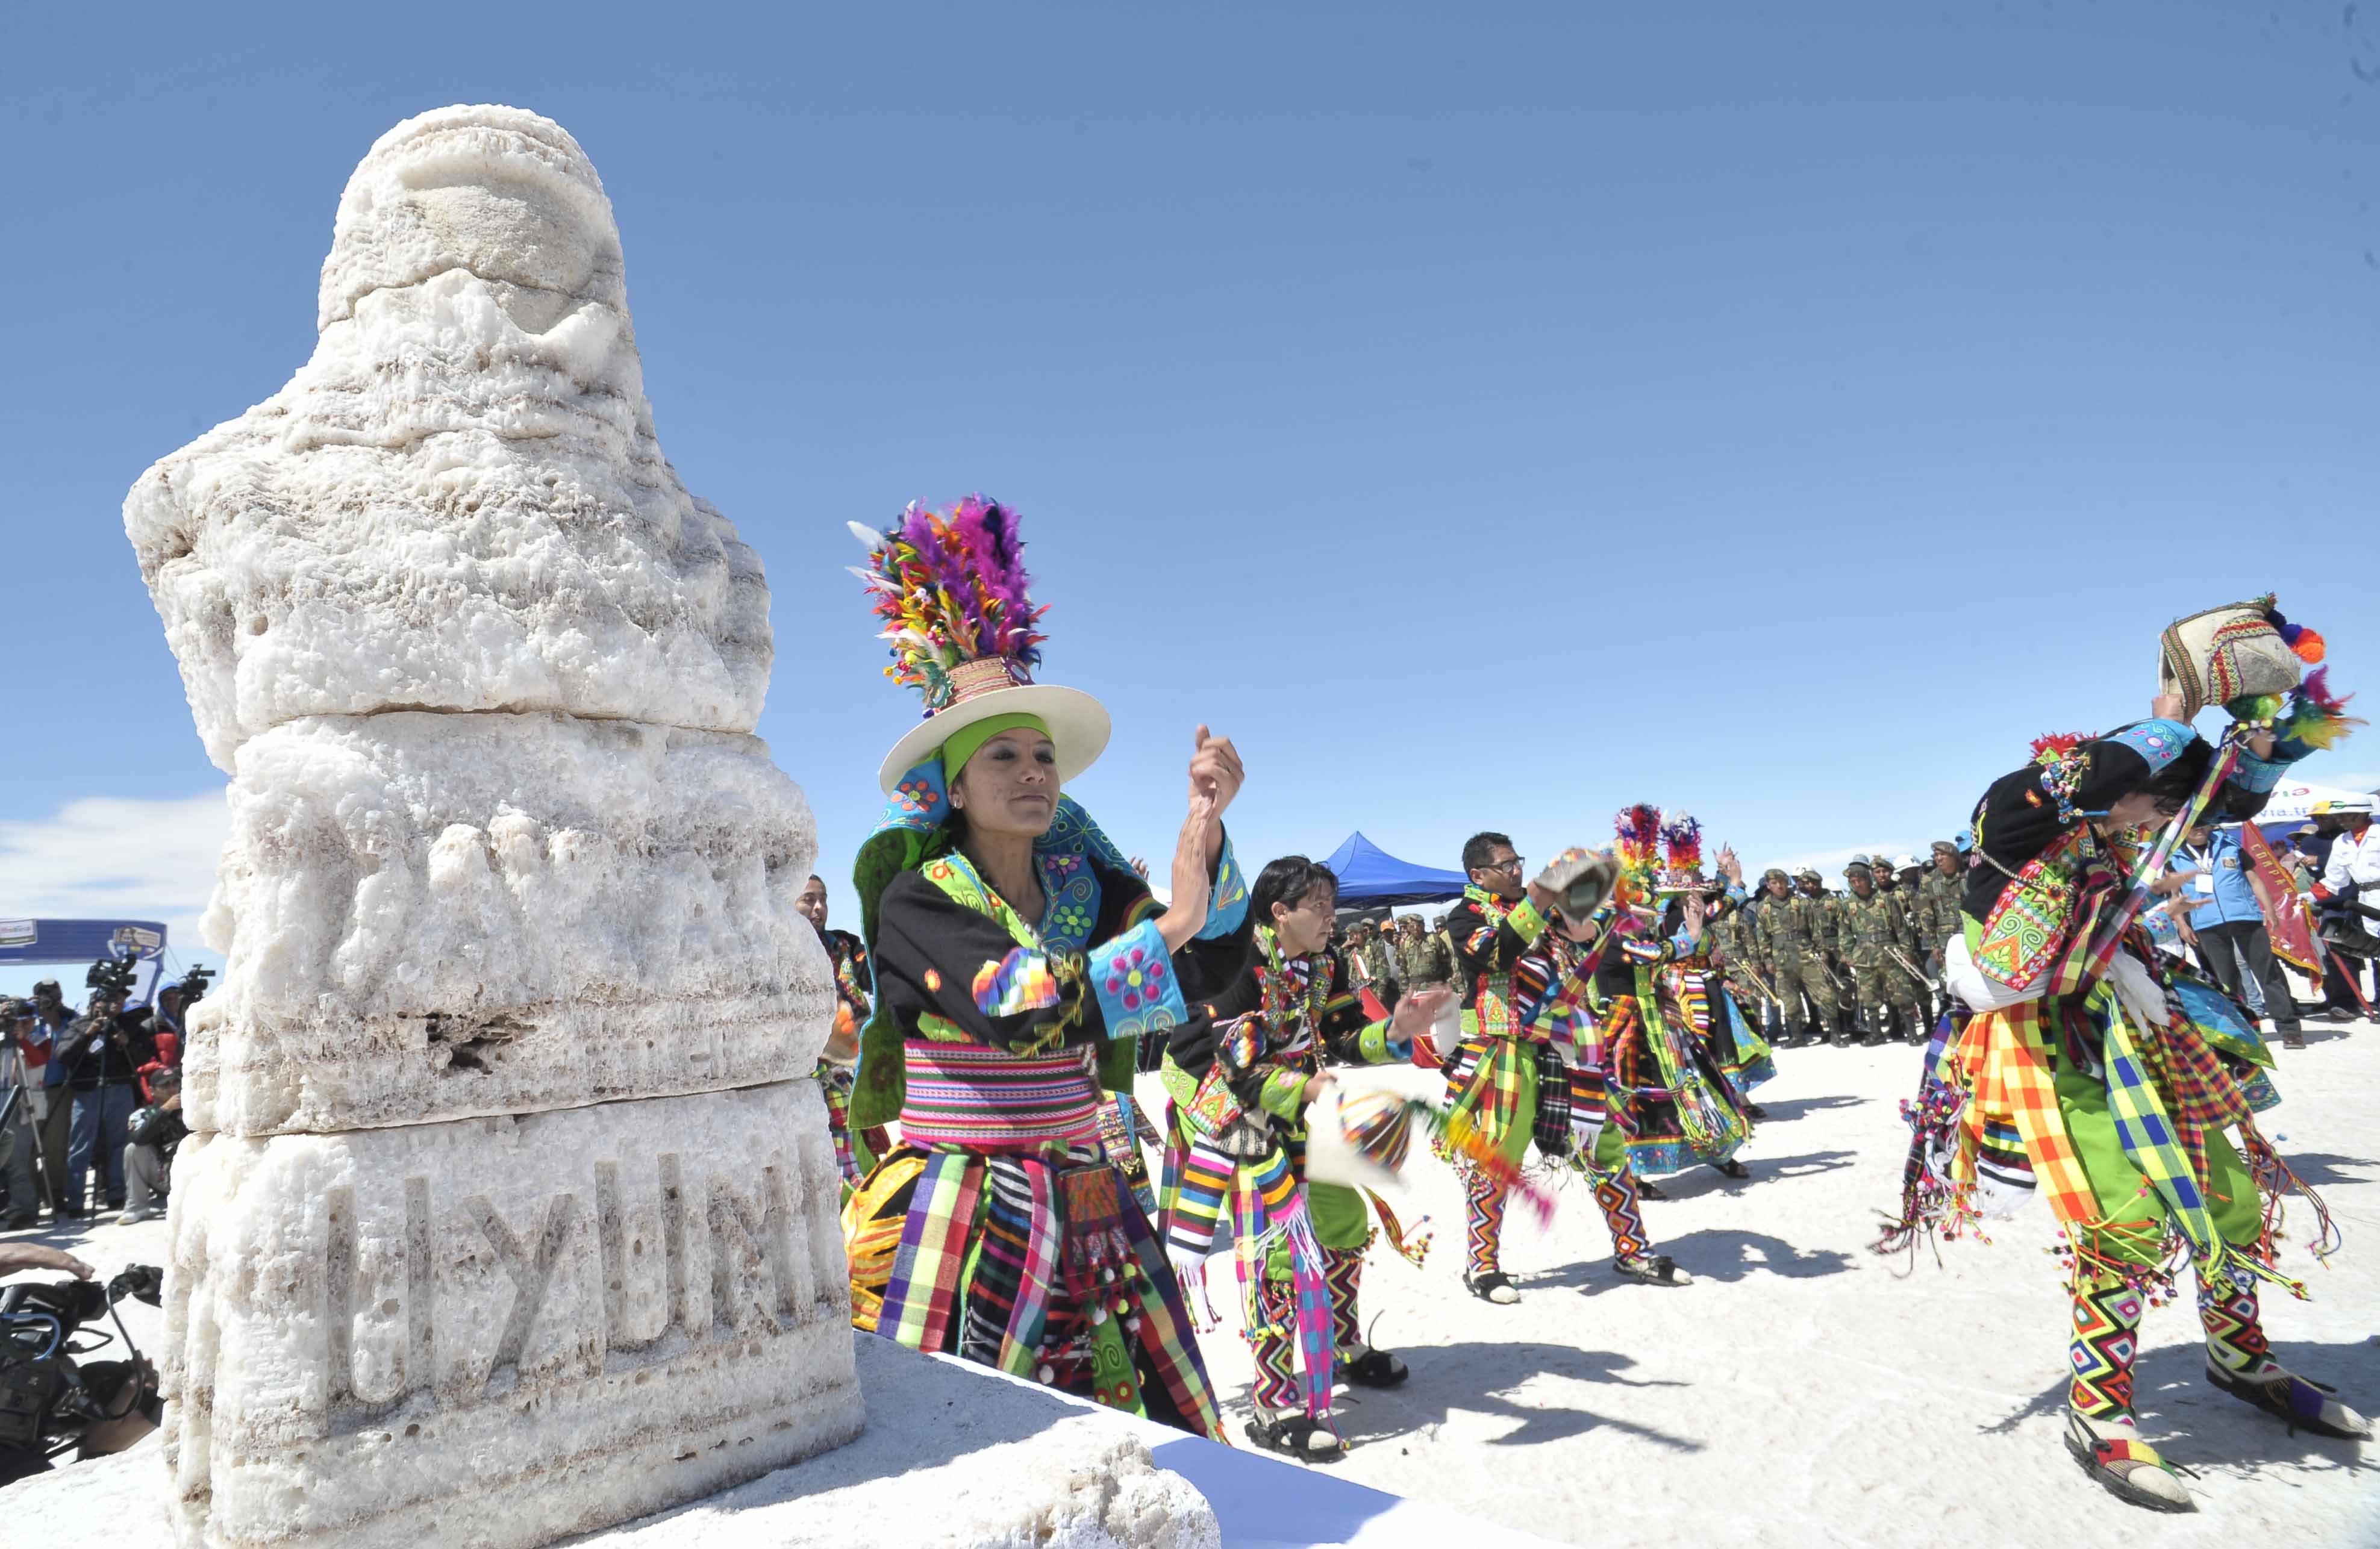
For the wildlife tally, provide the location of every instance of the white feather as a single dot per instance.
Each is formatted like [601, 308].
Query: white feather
[865, 534]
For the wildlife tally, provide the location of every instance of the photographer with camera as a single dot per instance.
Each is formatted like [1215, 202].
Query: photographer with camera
[20, 1093]
[55, 1114]
[49, 1399]
[154, 1133]
[103, 1056]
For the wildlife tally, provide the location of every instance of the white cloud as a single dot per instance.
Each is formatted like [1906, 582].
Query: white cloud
[115, 857]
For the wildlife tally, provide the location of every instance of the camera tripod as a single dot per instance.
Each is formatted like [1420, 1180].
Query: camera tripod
[44, 1186]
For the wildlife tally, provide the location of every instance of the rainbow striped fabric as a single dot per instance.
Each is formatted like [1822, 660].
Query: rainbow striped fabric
[968, 1096]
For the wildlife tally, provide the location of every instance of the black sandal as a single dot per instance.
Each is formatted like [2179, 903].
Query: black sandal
[1658, 1270]
[1754, 1110]
[2302, 1402]
[1293, 1435]
[1485, 1287]
[1374, 1369]
[1648, 1189]
[1732, 1169]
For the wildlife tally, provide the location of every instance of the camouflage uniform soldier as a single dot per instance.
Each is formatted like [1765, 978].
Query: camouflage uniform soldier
[1888, 887]
[1937, 914]
[1869, 928]
[1793, 931]
[1379, 964]
[1423, 961]
[1746, 974]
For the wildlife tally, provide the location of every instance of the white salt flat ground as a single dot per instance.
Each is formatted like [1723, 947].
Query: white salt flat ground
[1804, 1391]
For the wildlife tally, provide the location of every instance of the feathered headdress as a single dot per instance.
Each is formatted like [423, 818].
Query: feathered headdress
[952, 591]
[1637, 833]
[2055, 745]
[1681, 845]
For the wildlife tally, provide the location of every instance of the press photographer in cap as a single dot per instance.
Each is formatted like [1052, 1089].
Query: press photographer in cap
[100, 1058]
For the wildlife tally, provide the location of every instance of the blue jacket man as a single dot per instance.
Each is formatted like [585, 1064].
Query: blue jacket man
[2230, 924]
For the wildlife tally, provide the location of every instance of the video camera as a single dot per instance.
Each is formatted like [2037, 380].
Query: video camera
[112, 977]
[193, 985]
[47, 1401]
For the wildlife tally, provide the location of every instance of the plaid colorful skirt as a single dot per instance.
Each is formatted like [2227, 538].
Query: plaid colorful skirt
[1040, 1262]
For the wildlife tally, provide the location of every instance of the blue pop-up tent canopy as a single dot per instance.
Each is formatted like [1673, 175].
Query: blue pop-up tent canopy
[1369, 874]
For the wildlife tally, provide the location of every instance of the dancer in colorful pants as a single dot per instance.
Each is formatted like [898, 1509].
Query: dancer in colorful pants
[1236, 1146]
[1553, 988]
[2098, 1072]
[1492, 1081]
[1659, 1002]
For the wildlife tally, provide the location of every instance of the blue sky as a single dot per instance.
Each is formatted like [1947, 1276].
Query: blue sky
[1488, 419]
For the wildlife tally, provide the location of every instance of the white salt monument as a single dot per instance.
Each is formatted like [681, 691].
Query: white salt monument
[502, 1219]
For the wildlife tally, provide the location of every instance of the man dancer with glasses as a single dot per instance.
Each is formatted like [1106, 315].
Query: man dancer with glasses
[1498, 920]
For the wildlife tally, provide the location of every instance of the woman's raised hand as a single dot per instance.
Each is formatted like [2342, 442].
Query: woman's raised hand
[1215, 772]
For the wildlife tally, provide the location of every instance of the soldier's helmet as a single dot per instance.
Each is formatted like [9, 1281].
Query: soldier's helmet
[1775, 873]
[1860, 866]
[1809, 874]
[1945, 847]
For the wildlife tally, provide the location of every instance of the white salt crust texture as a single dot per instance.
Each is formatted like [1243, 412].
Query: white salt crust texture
[496, 1332]
[459, 503]
[435, 916]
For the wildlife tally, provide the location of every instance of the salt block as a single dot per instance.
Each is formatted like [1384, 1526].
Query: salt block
[459, 503]
[496, 1332]
[433, 916]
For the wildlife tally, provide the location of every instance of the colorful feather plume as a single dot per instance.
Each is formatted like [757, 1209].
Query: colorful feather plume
[2317, 717]
[951, 589]
[2307, 717]
[1461, 1139]
[2049, 749]
[1681, 844]
[1638, 830]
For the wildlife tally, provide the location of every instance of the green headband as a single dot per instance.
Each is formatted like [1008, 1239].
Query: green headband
[967, 740]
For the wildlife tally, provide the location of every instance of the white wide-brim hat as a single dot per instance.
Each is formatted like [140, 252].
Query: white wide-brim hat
[1077, 724]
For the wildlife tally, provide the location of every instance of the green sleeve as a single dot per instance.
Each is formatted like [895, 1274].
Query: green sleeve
[1283, 1094]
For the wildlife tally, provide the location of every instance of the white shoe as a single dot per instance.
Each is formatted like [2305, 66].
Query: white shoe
[135, 1216]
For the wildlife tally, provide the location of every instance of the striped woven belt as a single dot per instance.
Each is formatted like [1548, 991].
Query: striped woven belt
[975, 1097]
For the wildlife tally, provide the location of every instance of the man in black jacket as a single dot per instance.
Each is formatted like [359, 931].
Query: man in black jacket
[103, 1053]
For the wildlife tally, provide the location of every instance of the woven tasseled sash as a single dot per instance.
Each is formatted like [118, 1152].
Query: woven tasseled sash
[975, 1097]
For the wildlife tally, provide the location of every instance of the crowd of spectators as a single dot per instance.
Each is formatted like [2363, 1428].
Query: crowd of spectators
[92, 1102]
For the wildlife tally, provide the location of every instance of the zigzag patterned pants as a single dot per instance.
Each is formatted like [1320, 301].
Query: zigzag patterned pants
[1276, 1390]
[2107, 1339]
[1342, 1270]
[1483, 1220]
[1615, 1192]
[2235, 1329]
